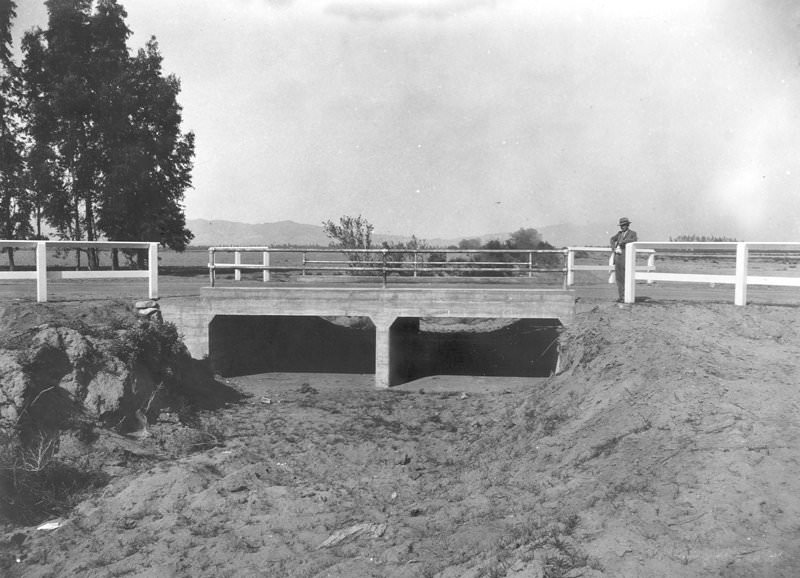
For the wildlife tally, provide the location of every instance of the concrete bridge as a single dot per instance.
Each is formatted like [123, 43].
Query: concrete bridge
[383, 306]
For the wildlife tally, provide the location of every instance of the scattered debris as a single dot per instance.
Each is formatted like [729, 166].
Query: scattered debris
[371, 529]
[51, 525]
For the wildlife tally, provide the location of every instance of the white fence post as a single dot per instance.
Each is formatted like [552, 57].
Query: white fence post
[651, 265]
[630, 273]
[570, 265]
[265, 262]
[740, 292]
[41, 271]
[237, 260]
[152, 262]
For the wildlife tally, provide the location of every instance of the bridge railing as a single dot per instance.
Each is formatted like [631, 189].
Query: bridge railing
[41, 274]
[398, 264]
[575, 252]
[741, 252]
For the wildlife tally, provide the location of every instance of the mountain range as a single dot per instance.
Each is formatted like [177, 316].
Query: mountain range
[209, 233]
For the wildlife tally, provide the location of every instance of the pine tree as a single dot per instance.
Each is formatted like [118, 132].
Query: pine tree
[108, 157]
[14, 203]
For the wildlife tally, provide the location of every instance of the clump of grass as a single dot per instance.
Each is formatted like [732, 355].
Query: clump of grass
[552, 543]
[35, 485]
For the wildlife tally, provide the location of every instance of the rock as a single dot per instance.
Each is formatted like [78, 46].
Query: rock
[308, 388]
[153, 313]
[104, 393]
[147, 304]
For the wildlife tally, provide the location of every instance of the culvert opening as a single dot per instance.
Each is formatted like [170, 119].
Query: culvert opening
[483, 347]
[248, 344]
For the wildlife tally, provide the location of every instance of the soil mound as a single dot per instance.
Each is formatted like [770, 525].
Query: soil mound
[72, 373]
[665, 446]
[676, 428]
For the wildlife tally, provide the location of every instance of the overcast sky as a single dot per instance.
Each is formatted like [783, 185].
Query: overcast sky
[453, 118]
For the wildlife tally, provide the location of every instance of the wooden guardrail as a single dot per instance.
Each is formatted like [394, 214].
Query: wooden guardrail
[41, 274]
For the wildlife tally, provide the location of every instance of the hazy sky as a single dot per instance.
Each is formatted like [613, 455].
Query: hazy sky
[451, 118]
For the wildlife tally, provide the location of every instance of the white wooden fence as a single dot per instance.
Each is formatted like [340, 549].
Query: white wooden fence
[741, 279]
[572, 267]
[41, 274]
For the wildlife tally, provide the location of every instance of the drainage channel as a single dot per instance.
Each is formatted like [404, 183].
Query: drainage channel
[244, 345]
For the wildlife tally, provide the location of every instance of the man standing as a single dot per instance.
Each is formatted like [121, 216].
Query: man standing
[618, 242]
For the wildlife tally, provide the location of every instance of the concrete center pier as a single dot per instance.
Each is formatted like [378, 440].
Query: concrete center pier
[382, 305]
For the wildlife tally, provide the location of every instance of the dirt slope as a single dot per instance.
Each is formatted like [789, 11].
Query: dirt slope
[667, 446]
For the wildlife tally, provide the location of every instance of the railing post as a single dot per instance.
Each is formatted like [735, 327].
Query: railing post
[570, 267]
[265, 262]
[530, 264]
[41, 271]
[303, 273]
[612, 273]
[651, 265]
[211, 265]
[630, 273]
[152, 262]
[385, 272]
[740, 292]
[414, 254]
[237, 260]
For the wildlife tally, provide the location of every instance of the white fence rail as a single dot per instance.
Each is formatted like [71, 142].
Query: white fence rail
[740, 279]
[41, 274]
[574, 251]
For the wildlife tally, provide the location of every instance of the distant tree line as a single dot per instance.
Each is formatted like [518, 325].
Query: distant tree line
[356, 233]
[702, 239]
[525, 238]
[90, 134]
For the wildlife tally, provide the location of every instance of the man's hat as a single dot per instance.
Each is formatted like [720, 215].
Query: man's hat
[624, 221]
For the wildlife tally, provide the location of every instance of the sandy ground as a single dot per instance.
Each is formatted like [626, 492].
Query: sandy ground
[668, 445]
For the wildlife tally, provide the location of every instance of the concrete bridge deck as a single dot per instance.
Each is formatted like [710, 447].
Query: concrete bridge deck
[383, 306]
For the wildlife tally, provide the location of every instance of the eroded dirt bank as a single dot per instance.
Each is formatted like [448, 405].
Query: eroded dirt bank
[668, 446]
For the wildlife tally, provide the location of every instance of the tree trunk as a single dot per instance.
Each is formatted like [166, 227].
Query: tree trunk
[141, 258]
[92, 256]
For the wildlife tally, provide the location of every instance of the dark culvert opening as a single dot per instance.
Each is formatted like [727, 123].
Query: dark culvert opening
[485, 347]
[246, 344]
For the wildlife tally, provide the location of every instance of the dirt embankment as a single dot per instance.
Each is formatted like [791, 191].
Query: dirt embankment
[667, 446]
